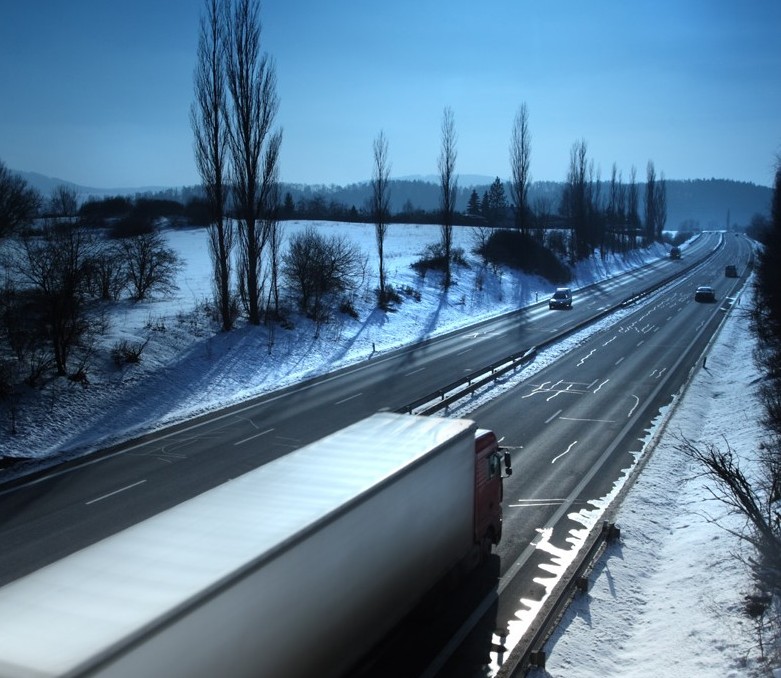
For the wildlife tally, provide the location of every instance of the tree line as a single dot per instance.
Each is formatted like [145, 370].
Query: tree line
[57, 277]
[62, 273]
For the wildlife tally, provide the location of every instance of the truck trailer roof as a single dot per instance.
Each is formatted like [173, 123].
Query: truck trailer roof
[67, 615]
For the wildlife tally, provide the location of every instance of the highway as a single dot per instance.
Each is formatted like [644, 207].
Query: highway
[573, 430]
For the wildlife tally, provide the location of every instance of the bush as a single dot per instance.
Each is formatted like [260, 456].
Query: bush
[388, 298]
[348, 308]
[318, 269]
[513, 249]
[123, 352]
[432, 259]
[458, 257]
[410, 292]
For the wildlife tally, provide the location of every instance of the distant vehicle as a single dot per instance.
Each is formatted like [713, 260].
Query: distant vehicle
[675, 253]
[705, 293]
[562, 298]
[731, 271]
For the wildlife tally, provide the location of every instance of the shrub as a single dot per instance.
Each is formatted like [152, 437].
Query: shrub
[123, 352]
[347, 307]
[410, 292]
[388, 298]
[516, 250]
[432, 259]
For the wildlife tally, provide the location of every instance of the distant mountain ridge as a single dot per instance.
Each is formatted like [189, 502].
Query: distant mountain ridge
[45, 185]
[702, 203]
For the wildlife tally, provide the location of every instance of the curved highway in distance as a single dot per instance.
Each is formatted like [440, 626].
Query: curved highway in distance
[64, 509]
[575, 429]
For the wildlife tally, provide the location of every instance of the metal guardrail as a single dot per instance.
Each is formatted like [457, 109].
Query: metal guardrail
[469, 384]
[529, 651]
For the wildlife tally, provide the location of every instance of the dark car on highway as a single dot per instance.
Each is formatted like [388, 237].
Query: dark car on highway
[705, 293]
[731, 271]
[562, 298]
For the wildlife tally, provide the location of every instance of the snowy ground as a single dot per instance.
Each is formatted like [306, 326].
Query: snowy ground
[189, 367]
[666, 600]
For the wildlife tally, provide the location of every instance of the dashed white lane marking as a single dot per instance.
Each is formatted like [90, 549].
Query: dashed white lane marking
[111, 494]
[252, 437]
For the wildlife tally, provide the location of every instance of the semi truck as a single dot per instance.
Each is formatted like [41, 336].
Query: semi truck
[297, 568]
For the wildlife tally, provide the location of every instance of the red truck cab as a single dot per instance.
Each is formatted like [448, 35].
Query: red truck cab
[488, 489]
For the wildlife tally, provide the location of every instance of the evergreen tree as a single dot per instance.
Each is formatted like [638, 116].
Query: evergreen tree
[473, 207]
[289, 207]
[494, 205]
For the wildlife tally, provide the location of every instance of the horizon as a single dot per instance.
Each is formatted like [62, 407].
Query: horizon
[429, 179]
[99, 94]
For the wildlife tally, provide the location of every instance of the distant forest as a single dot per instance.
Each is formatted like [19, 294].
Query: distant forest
[691, 205]
[701, 203]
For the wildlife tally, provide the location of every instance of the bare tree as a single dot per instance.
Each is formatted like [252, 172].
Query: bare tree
[575, 200]
[595, 225]
[22, 331]
[151, 265]
[614, 213]
[64, 201]
[380, 204]
[252, 85]
[448, 187]
[19, 203]
[632, 207]
[318, 268]
[660, 198]
[52, 268]
[650, 203]
[107, 273]
[275, 240]
[754, 499]
[270, 206]
[209, 124]
[520, 158]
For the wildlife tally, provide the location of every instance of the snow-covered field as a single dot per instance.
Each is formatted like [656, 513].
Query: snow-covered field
[190, 367]
[665, 601]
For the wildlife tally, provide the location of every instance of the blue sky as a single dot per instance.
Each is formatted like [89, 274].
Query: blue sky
[98, 92]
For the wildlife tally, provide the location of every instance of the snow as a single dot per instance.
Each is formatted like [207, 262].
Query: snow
[668, 595]
[189, 367]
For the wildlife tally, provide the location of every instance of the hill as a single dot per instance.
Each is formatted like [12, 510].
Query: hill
[691, 204]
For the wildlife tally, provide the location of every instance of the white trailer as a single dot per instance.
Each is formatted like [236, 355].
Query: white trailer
[294, 569]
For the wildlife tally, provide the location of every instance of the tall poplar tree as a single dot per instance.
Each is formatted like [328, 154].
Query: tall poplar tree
[208, 118]
[254, 148]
